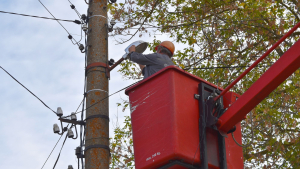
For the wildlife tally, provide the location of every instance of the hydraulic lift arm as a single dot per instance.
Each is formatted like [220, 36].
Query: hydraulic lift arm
[288, 63]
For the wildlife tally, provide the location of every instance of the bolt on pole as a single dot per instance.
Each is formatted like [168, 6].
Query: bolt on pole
[97, 124]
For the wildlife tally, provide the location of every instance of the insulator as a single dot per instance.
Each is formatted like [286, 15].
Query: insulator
[56, 128]
[112, 22]
[73, 116]
[111, 62]
[84, 27]
[110, 29]
[70, 133]
[83, 17]
[81, 47]
[59, 112]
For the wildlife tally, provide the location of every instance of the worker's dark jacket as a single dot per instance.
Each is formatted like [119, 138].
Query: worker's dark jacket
[154, 62]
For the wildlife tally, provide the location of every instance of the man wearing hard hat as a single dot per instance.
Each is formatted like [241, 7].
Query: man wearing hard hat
[152, 63]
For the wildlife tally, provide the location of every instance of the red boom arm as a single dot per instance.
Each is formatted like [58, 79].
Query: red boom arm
[288, 63]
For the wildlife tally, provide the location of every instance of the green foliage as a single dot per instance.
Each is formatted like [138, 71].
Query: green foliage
[122, 147]
[218, 33]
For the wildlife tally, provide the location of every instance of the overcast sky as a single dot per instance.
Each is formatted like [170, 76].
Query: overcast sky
[38, 53]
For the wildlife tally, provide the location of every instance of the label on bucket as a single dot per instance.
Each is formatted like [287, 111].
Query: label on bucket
[153, 155]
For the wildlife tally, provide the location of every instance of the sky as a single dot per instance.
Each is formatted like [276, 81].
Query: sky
[38, 53]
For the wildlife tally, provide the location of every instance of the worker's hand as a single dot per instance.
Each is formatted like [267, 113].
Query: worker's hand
[132, 48]
[126, 56]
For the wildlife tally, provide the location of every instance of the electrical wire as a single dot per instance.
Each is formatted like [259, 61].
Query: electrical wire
[52, 151]
[73, 6]
[81, 126]
[60, 24]
[27, 89]
[76, 109]
[109, 96]
[60, 151]
[75, 21]
[84, 90]
[79, 16]
[195, 154]
[236, 141]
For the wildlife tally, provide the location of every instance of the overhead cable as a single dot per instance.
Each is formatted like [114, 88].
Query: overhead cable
[28, 90]
[60, 24]
[52, 151]
[84, 90]
[75, 21]
[60, 151]
[79, 15]
[108, 96]
[73, 7]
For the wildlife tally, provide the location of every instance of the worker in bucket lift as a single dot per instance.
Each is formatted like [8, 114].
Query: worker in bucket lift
[152, 63]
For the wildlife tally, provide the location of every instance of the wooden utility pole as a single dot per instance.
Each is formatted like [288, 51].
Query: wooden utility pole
[97, 123]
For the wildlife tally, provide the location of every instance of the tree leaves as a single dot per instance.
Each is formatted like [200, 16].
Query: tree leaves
[229, 33]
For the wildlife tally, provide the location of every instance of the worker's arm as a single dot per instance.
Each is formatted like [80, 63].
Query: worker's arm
[142, 66]
[132, 49]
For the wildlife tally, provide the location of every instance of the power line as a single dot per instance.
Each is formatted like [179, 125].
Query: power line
[84, 97]
[102, 99]
[73, 7]
[139, 81]
[60, 24]
[60, 151]
[27, 90]
[52, 151]
[79, 15]
[108, 96]
[75, 21]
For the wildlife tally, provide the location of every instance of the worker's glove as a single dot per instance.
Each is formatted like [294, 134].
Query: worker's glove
[125, 56]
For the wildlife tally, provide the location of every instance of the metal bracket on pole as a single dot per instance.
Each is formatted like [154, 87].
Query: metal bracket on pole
[72, 121]
[99, 64]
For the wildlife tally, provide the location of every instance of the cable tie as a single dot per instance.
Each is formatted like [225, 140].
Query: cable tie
[97, 15]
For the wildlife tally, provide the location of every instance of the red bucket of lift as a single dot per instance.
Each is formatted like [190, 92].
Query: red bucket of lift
[165, 122]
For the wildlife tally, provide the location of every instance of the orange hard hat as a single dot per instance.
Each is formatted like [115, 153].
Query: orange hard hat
[167, 44]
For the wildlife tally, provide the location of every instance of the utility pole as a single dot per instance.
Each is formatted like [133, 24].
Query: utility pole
[97, 117]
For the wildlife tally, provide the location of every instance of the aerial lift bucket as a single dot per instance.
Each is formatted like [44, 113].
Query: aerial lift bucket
[167, 132]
